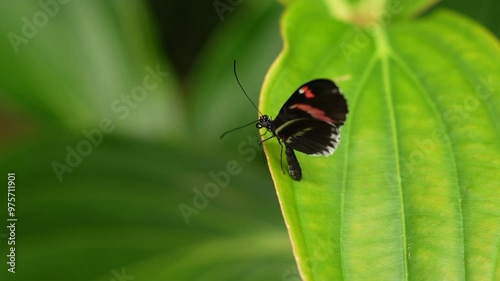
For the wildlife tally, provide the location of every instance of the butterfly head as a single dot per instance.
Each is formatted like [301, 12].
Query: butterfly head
[264, 122]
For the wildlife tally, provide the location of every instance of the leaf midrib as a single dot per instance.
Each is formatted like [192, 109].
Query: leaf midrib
[383, 50]
[354, 103]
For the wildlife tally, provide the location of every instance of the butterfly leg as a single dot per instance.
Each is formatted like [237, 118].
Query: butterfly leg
[281, 158]
[260, 142]
[261, 148]
[281, 153]
[262, 151]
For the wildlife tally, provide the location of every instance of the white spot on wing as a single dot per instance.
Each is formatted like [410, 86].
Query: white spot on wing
[334, 141]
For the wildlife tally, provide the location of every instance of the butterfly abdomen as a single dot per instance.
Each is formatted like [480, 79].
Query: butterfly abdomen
[293, 164]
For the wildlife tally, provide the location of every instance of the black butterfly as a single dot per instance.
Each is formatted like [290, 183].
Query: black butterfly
[308, 122]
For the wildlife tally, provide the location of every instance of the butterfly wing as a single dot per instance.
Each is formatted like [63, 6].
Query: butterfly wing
[319, 99]
[310, 136]
[310, 120]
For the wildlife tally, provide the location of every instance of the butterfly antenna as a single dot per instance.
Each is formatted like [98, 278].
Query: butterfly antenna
[240, 127]
[238, 80]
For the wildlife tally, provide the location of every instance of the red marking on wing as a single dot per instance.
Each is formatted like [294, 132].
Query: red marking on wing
[314, 112]
[309, 94]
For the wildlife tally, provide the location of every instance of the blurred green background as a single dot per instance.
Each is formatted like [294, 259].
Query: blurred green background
[110, 117]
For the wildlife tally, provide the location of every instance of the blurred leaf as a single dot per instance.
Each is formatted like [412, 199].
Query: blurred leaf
[119, 209]
[376, 11]
[412, 191]
[250, 34]
[71, 65]
[484, 11]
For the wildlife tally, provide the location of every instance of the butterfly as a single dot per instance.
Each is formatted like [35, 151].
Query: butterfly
[308, 122]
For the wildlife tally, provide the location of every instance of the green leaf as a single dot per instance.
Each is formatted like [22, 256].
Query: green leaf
[249, 35]
[412, 191]
[118, 209]
[71, 65]
[368, 12]
[484, 11]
